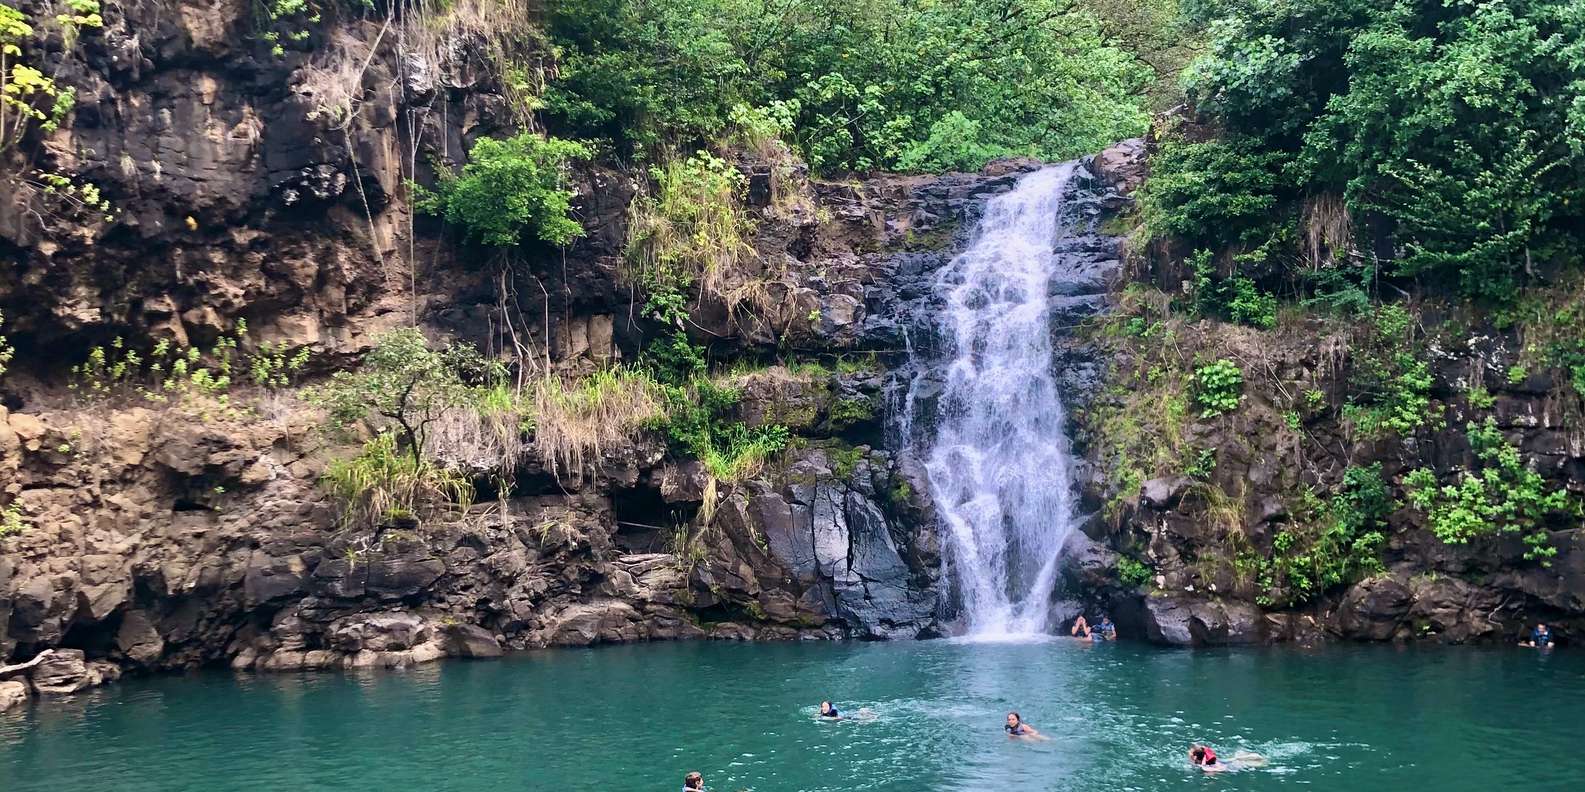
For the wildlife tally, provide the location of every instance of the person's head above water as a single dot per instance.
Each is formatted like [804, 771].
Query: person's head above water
[1201, 755]
[827, 708]
[1014, 722]
[693, 781]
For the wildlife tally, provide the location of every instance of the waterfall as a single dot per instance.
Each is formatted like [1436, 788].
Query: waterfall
[999, 461]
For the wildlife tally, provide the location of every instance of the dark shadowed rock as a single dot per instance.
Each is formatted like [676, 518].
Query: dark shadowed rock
[1374, 610]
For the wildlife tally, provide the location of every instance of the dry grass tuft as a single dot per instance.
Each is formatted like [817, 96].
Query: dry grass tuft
[575, 422]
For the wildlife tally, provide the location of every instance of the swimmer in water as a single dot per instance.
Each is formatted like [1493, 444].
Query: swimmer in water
[1016, 728]
[1204, 757]
[1080, 628]
[693, 782]
[829, 710]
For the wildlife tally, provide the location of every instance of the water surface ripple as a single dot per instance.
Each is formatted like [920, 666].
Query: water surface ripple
[636, 718]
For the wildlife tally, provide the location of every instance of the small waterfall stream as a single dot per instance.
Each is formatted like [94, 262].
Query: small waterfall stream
[998, 460]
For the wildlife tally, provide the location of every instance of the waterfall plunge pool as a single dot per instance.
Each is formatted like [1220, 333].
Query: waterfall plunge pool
[613, 719]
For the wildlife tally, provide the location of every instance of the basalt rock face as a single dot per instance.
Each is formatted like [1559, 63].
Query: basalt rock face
[1196, 531]
[166, 535]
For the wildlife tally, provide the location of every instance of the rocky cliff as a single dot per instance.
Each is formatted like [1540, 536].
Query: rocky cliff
[1289, 512]
[153, 534]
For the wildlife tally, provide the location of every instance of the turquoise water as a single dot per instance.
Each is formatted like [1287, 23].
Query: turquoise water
[638, 717]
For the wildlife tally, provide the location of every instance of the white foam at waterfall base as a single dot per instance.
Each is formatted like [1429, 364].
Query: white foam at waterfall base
[999, 462]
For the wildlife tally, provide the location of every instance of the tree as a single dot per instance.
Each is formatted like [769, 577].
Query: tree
[405, 384]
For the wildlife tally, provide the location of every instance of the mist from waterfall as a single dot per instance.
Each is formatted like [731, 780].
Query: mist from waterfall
[998, 459]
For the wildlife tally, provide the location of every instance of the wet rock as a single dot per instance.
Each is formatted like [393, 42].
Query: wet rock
[1164, 493]
[1123, 164]
[1374, 609]
[1185, 621]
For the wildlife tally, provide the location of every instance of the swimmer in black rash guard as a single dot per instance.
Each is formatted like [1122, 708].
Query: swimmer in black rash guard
[1017, 729]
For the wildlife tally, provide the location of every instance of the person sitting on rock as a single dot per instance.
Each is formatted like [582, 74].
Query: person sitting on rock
[829, 710]
[1016, 728]
[1105, 630]
[1540, 637]
[693, 782]
[1080, 628]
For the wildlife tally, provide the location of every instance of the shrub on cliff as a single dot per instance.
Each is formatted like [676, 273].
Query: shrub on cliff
[510, 188]
[1500, 495]
[866, 81]
[1456, 128]
[6, 350]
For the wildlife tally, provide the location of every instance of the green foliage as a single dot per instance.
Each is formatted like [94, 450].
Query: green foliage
[29, 98]
[1389, 380]
[384, 482]
[510, 188]
[1328, 542]
[864, 84]
[690, 230]
[698, 424]
[162, 373]
[1132, 572]
[1235, 299]
[1214, 194]
[1500, 495]
[1480, 398]
[12, 521]
[1201, 465]
[1460, 125]
[848, 412]
[1140, 420]
[271, 367]
[286, 21]
[403, 386]
[1218, 387]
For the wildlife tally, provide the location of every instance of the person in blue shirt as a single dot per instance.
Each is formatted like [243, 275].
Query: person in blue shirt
[1540, 637]
[1104, 630]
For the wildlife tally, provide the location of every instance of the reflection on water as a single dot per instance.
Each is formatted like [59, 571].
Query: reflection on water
[630, 718]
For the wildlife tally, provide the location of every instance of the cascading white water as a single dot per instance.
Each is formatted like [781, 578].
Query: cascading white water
[999, 464]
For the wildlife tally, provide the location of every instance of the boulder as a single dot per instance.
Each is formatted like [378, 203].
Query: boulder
[1164, 493]
[138, 640]
[1374, 610]
[380, 632]
[13, 693]
[62, 673]
[1123, 164]
[470, 640]
[1178, 620]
